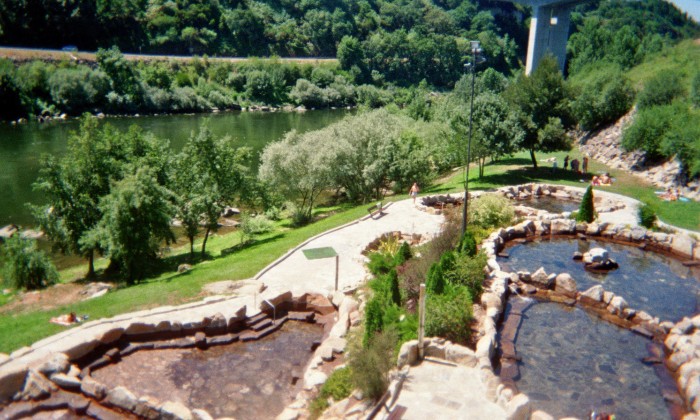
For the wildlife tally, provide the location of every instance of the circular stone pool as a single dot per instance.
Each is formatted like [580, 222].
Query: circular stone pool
[648, 281]
[550, 204]
[572, 363]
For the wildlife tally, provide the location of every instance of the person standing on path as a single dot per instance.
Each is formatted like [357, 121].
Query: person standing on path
[584, 167]
[566, 162]
[414, 191]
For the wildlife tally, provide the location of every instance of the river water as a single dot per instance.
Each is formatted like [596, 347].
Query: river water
[22, 146]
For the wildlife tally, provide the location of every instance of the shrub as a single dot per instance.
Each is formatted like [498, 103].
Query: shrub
[449, 315]
[435, 282]
[78, 89]
[380, 263]
[404, 254]
[370, 365]
[469, 272]
[695, 90]
[649, 127]
[491, 210]
[393, 278]
[586, 212]
[26, 267]
[254, 225]
[374, 314]
[604, 99]
[647, 215]
[661, 90]
[467, 245]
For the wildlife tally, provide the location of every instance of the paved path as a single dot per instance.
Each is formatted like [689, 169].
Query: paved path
[435, 390]
[299, 274]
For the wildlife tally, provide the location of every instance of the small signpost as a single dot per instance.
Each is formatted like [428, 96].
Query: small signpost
[421, 321]
[324, 252]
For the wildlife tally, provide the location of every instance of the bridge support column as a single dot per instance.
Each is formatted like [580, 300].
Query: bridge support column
[549, 31]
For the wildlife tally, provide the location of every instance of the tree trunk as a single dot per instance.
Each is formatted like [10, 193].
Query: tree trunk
[204, 244]
[191, 238]
[534, 160]
[91, 265]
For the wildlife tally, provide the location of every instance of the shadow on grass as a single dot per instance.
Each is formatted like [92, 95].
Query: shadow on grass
[250, 244]
[527, 175]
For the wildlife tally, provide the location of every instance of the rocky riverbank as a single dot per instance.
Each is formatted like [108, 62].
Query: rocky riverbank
[604, 146]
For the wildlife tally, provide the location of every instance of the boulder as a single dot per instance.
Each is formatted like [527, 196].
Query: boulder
[541, 279]
[595, 293]
[183, 268]
[65, 381]
[121, 397]
[408, 355]
[565, 284]
[596, 255]
[175, 411]
[460, 355]
[58, 363]
[36, 386]
[518, 408]
[230, 211]
[563, 226]
[314, 378]
[319, 304]
[617, 305]
[199, 414]
[92, 388]
[683, 244]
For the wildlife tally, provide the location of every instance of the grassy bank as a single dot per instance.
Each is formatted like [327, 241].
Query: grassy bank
[231, 261]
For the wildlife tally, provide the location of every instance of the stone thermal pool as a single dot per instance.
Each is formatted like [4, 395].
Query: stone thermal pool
[648, 281]
[572, 363]
[243, 380]
[550, 204]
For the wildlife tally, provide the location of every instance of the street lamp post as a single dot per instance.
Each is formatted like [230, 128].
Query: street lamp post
[476, 51]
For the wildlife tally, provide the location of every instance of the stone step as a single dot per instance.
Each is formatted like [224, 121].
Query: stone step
[256, 318]
[256, 335]
[260, 325]
[301, 316]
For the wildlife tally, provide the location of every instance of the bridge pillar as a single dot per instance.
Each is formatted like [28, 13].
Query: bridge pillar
[549, 31]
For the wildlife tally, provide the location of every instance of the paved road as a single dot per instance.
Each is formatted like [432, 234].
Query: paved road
[25, 54]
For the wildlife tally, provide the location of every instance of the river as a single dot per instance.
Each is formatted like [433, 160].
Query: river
[22, 146]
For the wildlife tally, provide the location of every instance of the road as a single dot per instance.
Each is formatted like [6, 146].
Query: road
[27, 54]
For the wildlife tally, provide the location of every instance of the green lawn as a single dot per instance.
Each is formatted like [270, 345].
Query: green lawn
[230, 261]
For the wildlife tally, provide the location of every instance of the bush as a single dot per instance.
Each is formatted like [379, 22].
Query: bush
[647, 215]
[695, 90]
[449, 315]
[78, 89]
[491, 210]
[649, 128]
[586, 212]
[467, 245]
[338, 386]
[404, 254]
[393, 279]
[254, 225]
[374, 314]
[26, 267]
[435, 282]
[370, 364]
[469, 272]
[661, 90]
[603, 99]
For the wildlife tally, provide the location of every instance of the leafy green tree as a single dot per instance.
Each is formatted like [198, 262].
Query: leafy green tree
[299, 167]
[209, 173]
[541, 99]
[25, 266]
[122, 74]
[649, 128]
[586, 212]
[136, 219]
[78, 89]
[10, 94]
[75, 183]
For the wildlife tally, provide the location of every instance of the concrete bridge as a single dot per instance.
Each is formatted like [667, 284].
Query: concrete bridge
[549, 30]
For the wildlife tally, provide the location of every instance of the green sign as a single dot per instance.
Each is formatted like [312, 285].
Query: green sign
[318, 253]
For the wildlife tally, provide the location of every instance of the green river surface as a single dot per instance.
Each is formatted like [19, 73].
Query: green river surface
[22, 146]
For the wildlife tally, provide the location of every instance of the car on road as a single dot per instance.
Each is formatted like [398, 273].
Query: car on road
[69, 48]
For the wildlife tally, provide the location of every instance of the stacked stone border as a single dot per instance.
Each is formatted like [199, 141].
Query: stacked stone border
[682, 355]
[47, 376]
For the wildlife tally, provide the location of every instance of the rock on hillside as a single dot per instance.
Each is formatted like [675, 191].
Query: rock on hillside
[604, 146]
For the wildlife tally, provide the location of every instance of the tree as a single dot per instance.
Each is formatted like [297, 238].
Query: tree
[75, 184]
[586, 212]
[25, 267]
[394, 287]
[661, 89]
[209, 173]
[541, 99]
[137, 214]
[299, 167]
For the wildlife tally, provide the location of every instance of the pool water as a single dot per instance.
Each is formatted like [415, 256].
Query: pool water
[251, 380]
[550, 204]
[657, 284]
[572, 363]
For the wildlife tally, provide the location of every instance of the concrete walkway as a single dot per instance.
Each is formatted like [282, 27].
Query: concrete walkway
[436, 390]
[300, 275]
